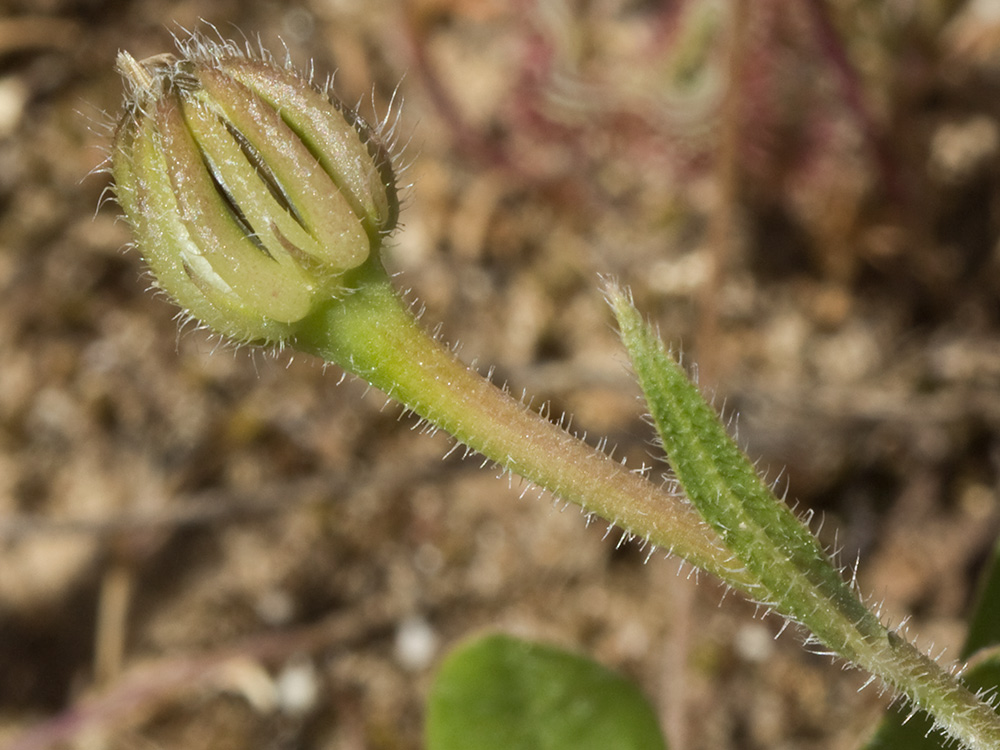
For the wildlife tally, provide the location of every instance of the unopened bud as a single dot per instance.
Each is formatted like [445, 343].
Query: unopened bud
[252, 195]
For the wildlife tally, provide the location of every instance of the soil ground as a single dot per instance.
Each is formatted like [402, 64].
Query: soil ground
[208, 548]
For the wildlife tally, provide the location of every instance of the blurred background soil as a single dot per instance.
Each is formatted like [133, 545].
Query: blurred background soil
[202, 548]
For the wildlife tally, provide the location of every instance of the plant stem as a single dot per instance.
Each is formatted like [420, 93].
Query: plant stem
[369, 332]
[722, 244]
[955, 709]
[795, 576]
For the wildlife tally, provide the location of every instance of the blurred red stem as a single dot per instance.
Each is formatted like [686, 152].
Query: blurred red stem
[466, 137]
[833, 47]
[722, 228]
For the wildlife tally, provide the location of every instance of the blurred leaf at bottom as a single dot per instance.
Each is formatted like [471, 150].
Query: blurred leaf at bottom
[501, 693]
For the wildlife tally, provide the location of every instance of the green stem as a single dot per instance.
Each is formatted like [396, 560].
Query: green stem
[794, 575]
[370, 333]
[954, 708]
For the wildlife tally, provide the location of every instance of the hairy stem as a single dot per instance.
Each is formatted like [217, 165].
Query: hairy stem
[372, 334]
[795, 576]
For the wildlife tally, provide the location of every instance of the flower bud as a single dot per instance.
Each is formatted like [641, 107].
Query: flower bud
[252, 195]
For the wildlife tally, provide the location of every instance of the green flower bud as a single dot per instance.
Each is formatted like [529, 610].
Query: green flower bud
[252, 194]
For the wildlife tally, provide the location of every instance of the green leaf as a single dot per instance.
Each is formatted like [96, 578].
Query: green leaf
[901, 731]
[984, 624]
[796, 576]
[502, 693]
[793, 574]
